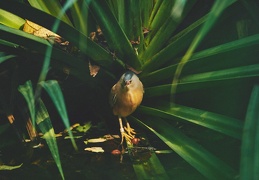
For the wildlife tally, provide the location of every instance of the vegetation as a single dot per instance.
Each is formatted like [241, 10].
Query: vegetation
[198, 61]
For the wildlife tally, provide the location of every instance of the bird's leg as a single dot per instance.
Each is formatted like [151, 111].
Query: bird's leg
[131, 132]
[123, 133]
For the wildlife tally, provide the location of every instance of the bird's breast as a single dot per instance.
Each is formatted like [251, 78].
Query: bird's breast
[127, 102]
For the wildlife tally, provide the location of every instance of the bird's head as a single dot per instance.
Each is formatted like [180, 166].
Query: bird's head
[127, 78]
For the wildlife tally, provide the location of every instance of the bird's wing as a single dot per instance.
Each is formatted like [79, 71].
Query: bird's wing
[113, 96]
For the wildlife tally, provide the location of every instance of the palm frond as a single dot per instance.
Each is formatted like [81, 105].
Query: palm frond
[223, 124]
[206, 163]
[113, 33]
[249, 150]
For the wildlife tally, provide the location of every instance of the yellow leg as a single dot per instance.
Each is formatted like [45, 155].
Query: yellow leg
[128, 137]
[131, 132]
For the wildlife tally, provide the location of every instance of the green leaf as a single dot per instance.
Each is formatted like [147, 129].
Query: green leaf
[166, 30]
[113, 33]
[52, 7]
[44, 123]
[41, 117]
[132, 27]
[40, 45]
[86, 46]
[201, 80]
[154, 11]
[81, 17]
[217, 9]
[233, 73]
[223, 124]
[159, 14]
[253, 9]
[54, 91]
[146, 10]
[4, 57]
[198, 60]
[27, 91]
[179, 42]
[205, 162]
[249, 165]
[10, 19]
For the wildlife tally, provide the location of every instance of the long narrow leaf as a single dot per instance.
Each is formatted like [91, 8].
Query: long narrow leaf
[233, 73]
[10, 19]
[40, 45]
[165, 31]
[215, 12]
[249, 165]
[162, 11]
[45, 125]
[179, 42]
[52, 7]
[80, 15]
[154, 11]
[253, 9]
[54, 91]
[3, 57]
[146, 9]
[162, 74]
[131, 26]
[205, 162]
[27, 91]
[197, 80]
[223, 124]
[86, 46]
[113, 33]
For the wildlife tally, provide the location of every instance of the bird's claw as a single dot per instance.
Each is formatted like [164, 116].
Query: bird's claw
[127, 137]
[131, 132]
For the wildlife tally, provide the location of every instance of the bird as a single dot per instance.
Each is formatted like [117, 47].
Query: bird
[125, 96]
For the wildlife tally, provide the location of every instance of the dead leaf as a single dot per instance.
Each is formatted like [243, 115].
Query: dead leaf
[95, 149]
[94, 69]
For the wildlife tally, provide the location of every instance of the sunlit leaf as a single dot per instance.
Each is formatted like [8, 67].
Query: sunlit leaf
[87, 47]
[113, 33]
[217, 9]
[146, 10]
[52, 7]
[45, 125]
[10, 19]
[40, 45]
[27, 91]
[165, 31]
[54, 91]
[132, 27]
[201, 159]
[179, 42]
[239, 72]
[80, 14]
[159, 14]
[223, 124]
[237, 45]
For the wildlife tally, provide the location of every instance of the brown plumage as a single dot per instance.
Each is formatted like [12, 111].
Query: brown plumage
[126, 95]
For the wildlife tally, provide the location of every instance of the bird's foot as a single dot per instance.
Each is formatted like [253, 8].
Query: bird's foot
[127, 136]
[130, 131]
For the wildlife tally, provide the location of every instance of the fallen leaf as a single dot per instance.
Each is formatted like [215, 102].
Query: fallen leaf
[6, 167]
[95, 149]
[96, 140]
[94, 69]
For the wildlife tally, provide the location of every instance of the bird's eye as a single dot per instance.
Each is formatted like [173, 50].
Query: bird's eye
[128, 82]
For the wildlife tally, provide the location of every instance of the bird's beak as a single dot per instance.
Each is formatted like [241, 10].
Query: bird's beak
[127, 82]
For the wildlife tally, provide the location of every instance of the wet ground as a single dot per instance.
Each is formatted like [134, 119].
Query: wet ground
[39, 164]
